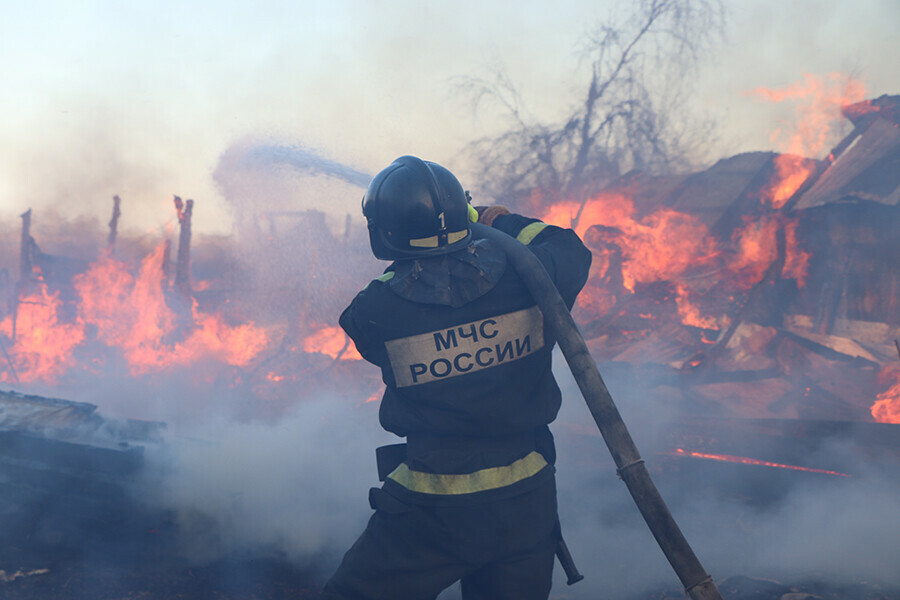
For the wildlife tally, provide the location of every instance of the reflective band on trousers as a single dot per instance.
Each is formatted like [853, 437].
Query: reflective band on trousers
[529, 232]
[468, 483]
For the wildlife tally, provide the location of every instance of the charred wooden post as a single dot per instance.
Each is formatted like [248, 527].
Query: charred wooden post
[114, 224]
[166, 265]
[26, 267]
[9, 361]
[26, 253]
[5, 291]
[183, 261]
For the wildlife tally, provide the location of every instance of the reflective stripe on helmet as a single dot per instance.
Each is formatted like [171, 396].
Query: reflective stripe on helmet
[429, 242]
[432, 241]
[468, 483]
[529, 232]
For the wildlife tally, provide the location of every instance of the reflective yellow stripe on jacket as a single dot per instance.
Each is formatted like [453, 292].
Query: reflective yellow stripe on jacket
[468, 483]
[529, 232]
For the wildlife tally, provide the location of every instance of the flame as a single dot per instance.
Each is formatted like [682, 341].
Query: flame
[127, 312]
[756, 250]
[43, 348]
[333, 342]
[665, 246]
[131, 313]
[819, 101]
[658, 247]
[791, 171]
[886, 408]
[751, 461]
[689, 312]
[212, 337]
[796, 264]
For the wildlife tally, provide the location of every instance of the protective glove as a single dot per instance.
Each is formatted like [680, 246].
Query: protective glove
[487, 214]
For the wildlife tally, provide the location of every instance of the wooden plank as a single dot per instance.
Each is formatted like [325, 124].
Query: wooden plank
[880, 138]
[844, 346]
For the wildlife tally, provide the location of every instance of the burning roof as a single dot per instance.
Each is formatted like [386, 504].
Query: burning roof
[766, 305]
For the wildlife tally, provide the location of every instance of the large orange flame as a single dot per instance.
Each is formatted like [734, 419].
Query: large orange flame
[819, 100]
[658, 247]
[44, 346]
[333, 342]
[132, 314]
[757, 248]
[886, 408]
[664, 246]
[796, 264]
[126, 312]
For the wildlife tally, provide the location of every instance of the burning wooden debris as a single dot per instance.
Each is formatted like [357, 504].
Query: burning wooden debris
[760, 297]
[757, 309]
[761, 292]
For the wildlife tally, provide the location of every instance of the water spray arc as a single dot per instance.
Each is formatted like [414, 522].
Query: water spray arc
[304, 159]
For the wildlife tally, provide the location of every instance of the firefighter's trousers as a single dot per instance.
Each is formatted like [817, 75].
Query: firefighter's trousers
[499, 550]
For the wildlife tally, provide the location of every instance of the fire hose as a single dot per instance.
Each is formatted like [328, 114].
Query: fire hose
[629, 465]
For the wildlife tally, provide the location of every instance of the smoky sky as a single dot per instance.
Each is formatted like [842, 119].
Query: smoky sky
[103, 98]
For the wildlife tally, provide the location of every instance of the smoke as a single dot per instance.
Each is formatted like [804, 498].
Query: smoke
[295, 488]
[752, 521]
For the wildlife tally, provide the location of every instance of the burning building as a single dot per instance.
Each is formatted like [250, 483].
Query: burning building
[758, 301]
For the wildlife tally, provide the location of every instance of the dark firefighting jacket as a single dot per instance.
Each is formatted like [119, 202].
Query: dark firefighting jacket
[465, 355]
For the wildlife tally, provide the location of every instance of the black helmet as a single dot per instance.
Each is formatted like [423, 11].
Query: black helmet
[416, 208]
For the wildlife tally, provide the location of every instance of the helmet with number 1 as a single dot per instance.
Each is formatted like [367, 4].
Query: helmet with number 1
[414, 209]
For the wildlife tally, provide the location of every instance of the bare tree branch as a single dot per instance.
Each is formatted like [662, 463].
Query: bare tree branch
[627, 117]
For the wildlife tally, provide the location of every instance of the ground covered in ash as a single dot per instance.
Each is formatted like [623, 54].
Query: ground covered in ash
[232, 579]
[273, 579]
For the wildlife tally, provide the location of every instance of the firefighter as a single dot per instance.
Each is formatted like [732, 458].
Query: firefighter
[466, 359]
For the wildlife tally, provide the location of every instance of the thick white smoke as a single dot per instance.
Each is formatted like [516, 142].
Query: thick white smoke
[296, 487]
[808, 527]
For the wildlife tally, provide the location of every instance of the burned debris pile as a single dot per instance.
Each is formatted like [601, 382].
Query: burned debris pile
[65, 477]
[751, 309]
[744, 295]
